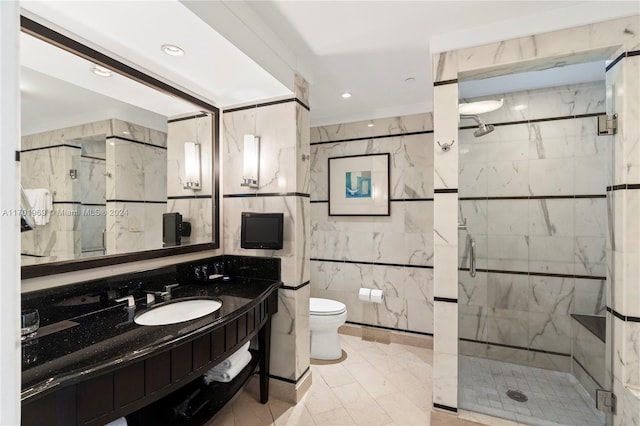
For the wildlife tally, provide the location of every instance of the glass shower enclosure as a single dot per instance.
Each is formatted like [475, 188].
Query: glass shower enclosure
[533, 225]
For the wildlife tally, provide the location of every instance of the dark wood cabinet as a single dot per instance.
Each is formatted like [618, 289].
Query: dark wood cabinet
[100, 399]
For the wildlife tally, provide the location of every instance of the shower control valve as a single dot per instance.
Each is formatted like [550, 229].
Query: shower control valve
[446, 146]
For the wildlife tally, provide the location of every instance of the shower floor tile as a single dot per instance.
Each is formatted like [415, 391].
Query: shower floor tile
[554, 398]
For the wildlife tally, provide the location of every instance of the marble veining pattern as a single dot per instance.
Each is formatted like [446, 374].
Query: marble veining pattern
[573, 45]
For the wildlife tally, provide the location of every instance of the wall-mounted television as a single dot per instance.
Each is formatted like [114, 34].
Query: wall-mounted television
[261, 231]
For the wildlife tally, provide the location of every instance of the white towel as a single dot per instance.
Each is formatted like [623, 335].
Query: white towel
[234, 357]
[118, 422]
[41, 204]
[227, 374]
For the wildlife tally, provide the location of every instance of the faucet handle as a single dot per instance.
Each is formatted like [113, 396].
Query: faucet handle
[131, 303]
[170, 286]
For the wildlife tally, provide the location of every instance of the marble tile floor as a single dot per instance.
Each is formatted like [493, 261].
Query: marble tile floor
[554, 398]
[377, 384]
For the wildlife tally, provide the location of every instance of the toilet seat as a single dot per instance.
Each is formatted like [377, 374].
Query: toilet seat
[325, 307]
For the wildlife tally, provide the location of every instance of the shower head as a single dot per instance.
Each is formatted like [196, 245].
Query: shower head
[482, 129]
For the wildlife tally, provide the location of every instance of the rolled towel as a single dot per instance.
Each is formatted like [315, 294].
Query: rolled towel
[226, 375]
[234, 357]
[118, 422]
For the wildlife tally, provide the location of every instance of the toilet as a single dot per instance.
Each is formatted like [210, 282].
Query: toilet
[325, 316]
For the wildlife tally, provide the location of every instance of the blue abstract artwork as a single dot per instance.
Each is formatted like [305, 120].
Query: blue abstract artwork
[358, 184]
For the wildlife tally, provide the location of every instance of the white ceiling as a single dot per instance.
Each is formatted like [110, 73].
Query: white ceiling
[246, 51]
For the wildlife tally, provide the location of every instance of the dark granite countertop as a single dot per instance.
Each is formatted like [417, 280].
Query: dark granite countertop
[105, 339]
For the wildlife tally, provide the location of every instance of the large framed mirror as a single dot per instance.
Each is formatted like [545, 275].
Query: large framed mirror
[116, 166]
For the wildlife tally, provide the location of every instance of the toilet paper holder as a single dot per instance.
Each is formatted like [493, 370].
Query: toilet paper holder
[370, 295]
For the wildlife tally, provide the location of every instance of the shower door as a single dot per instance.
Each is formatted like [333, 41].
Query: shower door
[532, 258]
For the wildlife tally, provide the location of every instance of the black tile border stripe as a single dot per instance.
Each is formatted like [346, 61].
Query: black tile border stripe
[444, 82]
[17, 155]
[586, 371]
[623, 186]
[191, 117]
[504, 345]
[539, 120]
[32, 255]
[355, 262]
[51, 147]
[268, 194]
[302, 104]
[66, 202]
[293, 382]
[93, 158]
[396, 200]
[538, 274]
[189, 197]
[264, 104]
[446, 191]
[395, 135]
[620, 57]
[444, 299]
[138, 142]
[445, 407]
[286, 287]
[116, 200]
[393, 200]
[622, 317]
[532, 197]
[615, 61]
[93, 205]
[382, 327]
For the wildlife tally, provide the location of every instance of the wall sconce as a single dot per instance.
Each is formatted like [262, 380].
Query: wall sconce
[191, 165]
[251, 161]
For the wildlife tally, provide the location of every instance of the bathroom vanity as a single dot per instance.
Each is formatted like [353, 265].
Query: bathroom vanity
[90, 363]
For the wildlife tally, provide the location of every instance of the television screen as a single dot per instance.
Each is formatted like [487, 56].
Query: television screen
[261, 231]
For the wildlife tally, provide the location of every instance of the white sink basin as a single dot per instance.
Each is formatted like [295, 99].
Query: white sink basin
[176, 312]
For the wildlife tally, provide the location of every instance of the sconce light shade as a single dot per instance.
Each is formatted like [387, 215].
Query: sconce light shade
[191, 165]
[251, 161]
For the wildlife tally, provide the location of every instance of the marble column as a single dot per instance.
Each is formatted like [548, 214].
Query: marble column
[283, 128]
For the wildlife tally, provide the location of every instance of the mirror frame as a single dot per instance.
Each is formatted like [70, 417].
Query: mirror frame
[55, 38]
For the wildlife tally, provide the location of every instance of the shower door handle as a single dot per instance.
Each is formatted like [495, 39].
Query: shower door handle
[472, 257]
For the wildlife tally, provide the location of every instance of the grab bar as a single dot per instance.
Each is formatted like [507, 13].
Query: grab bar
[472, 257]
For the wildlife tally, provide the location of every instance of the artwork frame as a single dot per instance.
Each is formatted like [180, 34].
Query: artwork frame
[359, 185]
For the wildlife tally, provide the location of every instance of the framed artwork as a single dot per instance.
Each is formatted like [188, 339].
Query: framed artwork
[359, 185]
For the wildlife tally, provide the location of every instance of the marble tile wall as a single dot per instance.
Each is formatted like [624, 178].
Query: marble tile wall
[624, 240]
[284, 179]
[595, 41]
[195, 206]
[136, 187]
[393, 253]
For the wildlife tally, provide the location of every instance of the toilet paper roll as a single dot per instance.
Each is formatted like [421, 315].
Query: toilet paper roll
[376, 296]
[364, 294]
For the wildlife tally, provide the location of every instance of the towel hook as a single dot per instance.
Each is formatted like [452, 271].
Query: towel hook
[446, 146]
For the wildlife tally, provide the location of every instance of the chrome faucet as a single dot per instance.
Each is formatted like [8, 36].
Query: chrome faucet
[131, 303]
[166, 294]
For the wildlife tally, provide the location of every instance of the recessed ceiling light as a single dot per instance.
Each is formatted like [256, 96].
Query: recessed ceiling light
[346, 95]
[101, 71]
[172, 49]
